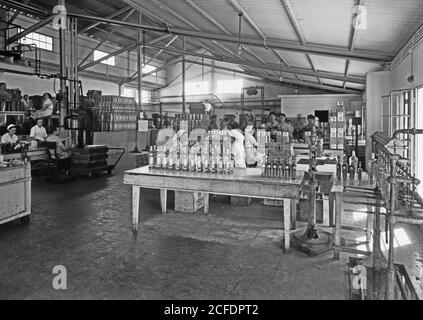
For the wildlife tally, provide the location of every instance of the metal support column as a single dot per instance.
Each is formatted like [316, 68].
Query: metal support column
[183, 77]
[390, 284]
[139, 71]
[63, 76]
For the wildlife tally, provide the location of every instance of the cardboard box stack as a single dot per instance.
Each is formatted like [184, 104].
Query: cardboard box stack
[337, 127]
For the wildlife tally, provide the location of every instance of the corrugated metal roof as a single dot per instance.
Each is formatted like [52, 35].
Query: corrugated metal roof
[390, 24]
[326, 22]
[271, 17]
[329, 64]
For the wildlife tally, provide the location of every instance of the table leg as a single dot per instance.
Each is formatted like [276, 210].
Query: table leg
[163, 200]
[369, 226]
[287, 223]
[331, 208]
[135, 207]
[206, 203]
[339, 208]
[293, 214]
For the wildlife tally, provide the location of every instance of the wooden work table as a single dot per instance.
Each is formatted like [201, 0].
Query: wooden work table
[243, 183]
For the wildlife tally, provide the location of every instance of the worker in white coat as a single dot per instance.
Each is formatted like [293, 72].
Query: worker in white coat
[238, 146]
[250, 146]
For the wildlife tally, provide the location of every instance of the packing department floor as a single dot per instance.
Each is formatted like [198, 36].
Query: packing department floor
[232, 253]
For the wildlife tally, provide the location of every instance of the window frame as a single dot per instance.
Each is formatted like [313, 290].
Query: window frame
[224, 85]
[104, 61]
[36, 42]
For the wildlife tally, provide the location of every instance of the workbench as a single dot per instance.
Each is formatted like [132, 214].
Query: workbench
[15, 192]
[242, 183]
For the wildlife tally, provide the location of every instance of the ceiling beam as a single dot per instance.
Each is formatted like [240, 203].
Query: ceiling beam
[331, 51]
[291, 82]
[281, 84]
[106, 39]
[164, 67]
[110, 55]
[24, 7]
[161, 50]
[32, 28]
[16, 14]
[270, 66]
[351, 43]
[110, 16]
[167, 25]
[238, 7]
[119, 51]
[294, 22]
[209, 17]
[184, 20]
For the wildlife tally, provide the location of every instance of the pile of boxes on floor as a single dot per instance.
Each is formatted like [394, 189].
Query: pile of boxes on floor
[114, 113]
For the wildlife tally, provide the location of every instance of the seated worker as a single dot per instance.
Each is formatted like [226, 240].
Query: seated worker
[46, 109]
[308, 127]
[64, 153]
[272, 125]
[38, 133]
[26, 103]
[285, 126]
[10, 140]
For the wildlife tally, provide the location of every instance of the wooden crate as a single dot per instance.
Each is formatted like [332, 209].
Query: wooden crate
[188, 202]
[15, 192]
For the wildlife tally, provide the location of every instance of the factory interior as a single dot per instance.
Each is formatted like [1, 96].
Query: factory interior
[211, 150]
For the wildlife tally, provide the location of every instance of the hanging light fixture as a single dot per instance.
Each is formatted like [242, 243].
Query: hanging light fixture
[239, 32]
[411, 77]
[202, 69]
[281, 76]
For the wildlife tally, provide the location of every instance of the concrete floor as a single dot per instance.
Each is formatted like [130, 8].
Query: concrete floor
[233, 253]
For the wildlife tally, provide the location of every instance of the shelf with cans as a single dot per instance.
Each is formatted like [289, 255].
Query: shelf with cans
[210, 154]
[10, 99]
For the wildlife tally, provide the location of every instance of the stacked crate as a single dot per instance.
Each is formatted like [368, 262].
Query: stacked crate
[116, 113]
[337, 128]
[89, 157]
[14, 100]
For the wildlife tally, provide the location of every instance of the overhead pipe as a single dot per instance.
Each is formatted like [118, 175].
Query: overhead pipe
[296, 82]
[413, 131]
[268, 66]
[332, 51]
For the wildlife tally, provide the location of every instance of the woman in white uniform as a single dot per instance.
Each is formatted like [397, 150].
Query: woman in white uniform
[238, 146]
[250, 146]
[47, 108]
[10, 137]
[38, 133]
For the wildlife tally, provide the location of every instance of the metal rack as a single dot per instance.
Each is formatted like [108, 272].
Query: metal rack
[395, 182]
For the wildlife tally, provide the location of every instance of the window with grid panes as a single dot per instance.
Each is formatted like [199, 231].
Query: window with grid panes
[40, 40]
